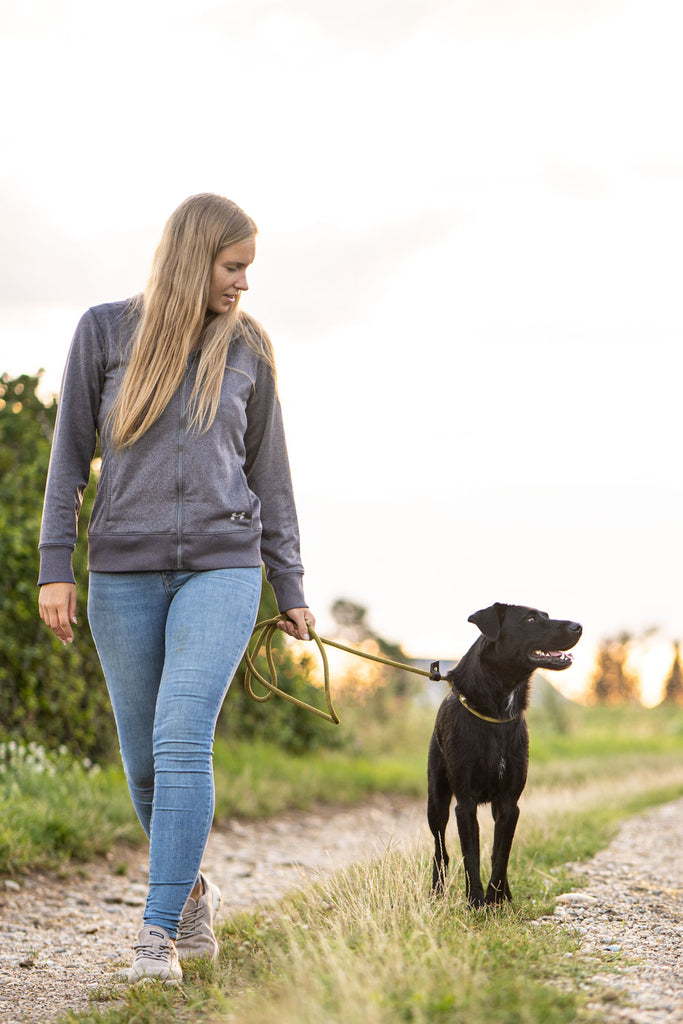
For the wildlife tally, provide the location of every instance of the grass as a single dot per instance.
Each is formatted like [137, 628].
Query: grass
[602, 733]
[50, 819]
[55, 811]
[256, 780]
[369, 945]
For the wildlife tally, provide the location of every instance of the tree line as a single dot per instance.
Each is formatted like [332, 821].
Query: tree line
[614, 681]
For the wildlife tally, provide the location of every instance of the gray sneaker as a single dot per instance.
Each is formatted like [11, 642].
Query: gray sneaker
[195, 931]
[156, 957]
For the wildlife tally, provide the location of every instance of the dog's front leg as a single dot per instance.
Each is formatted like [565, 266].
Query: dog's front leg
[505, 817]
[468, 830]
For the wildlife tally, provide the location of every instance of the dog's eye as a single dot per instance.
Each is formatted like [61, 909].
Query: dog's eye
[531, 618]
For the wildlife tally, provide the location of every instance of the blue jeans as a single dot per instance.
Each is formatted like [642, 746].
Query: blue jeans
[169, 644]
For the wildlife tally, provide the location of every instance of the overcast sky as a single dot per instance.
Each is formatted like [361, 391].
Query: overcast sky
[469, 261]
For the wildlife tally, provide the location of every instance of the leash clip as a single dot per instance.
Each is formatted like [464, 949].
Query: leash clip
[434, 672]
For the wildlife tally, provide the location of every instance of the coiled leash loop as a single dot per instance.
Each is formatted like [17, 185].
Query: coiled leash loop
[264, 632]
[262, 636]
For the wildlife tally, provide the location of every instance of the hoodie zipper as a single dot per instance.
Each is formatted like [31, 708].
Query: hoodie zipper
[180, 476]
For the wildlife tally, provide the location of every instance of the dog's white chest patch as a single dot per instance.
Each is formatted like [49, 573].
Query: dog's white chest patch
[501, 768]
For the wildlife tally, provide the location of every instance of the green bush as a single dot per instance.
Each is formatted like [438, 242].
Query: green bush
[48, 693]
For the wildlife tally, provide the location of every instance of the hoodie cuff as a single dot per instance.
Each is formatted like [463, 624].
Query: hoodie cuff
[289, 590]
[55, 565]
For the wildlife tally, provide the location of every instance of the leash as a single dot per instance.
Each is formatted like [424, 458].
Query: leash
[263, 635]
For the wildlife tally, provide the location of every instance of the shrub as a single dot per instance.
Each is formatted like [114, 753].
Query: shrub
[48, 693]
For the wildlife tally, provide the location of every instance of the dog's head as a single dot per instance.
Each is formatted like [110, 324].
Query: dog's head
[522, 635]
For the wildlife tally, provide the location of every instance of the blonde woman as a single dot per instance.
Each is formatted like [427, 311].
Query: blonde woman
[194, 492]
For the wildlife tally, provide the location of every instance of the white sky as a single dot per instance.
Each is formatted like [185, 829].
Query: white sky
[469, 261]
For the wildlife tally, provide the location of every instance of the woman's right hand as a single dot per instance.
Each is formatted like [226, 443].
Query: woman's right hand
[57, 607]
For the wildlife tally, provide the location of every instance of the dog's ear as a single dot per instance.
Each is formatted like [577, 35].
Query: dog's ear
[488, 620]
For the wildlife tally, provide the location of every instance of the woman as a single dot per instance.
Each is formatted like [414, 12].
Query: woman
[179, 387]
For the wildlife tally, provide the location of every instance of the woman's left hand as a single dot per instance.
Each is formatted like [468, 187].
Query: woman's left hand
[297, 622]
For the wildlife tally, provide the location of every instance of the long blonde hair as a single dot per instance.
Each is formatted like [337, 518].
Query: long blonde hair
[174, 320]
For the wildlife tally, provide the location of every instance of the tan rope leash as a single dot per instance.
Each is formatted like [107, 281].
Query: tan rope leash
[264, 632]
[263, 635]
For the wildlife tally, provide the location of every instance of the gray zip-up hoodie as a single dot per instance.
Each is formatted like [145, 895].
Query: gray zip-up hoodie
[177, 499]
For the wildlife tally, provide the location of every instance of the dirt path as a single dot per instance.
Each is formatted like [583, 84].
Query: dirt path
[61, 938]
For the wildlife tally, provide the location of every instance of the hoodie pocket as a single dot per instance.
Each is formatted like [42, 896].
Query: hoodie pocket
[217, 497]
[137, 494]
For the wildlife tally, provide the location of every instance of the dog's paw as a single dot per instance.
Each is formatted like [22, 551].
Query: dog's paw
[476, 902]
[497, 896]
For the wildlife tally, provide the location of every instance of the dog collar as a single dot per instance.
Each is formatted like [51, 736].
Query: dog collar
[478, 714]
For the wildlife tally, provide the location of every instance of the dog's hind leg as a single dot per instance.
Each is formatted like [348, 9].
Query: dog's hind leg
[468, 830]
[438, 810]
[505, 816]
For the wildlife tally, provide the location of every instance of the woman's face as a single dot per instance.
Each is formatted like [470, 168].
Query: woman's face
[229, 275]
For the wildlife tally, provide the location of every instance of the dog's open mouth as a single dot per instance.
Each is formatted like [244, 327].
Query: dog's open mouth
[551, 659]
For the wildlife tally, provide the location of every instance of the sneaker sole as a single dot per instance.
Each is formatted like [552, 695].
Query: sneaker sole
[142, 979]
[149, 979]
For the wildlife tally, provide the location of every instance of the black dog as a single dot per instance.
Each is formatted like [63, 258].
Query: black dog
[479, 751]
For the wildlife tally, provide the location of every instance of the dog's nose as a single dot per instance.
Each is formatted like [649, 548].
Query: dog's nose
[575, 627]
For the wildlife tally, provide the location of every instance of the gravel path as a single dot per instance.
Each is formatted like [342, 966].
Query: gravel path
[631, 909]
[48, 924]
[629, 906]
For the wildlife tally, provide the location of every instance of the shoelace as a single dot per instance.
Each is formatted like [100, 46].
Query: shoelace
[188, 923]
[156, 951]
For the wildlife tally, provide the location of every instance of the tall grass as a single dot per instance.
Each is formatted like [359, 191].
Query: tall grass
[370, 947]
[369, 944]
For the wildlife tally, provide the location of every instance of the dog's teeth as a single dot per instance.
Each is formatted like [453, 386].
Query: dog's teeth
[553, 654]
